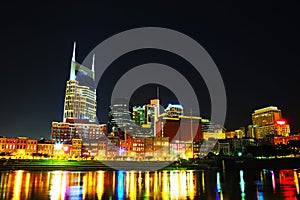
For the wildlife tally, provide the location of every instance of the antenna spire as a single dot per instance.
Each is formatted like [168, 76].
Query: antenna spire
[74, 51]
[93, 66]
[73, 64]
[93, 63]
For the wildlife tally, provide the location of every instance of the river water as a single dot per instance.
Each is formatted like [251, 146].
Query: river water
[177, 184]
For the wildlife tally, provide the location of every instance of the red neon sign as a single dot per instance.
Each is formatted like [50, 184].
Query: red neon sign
[281, 122]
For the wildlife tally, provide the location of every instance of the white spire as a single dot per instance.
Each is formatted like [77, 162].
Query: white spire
[73, 64]
[74, 53]
[93, 63]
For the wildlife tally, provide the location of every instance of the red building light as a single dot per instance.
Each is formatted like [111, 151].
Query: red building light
[281, 122]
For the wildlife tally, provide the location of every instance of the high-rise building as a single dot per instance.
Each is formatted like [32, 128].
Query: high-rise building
[80, 100]
[174, 125]
[119, 115]
[79, 116]
[266, 116]
[139, 115]
[138, 121]
[269, 121]
[211, 130]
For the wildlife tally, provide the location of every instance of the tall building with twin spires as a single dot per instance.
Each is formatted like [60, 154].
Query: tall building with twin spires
[80, 100]
[79, 116]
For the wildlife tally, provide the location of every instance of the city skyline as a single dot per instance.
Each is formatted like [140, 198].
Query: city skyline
[257, 70]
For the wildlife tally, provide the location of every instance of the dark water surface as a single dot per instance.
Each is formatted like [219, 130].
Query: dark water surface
[177, 184]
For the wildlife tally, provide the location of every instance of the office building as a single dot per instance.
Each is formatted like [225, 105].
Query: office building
[80, 100]
[268, 121]
[79, 115]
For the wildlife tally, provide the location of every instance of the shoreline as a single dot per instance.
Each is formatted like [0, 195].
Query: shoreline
[92, 165]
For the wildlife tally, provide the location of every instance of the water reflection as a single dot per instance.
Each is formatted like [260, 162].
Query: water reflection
[242, 184]
[177, 184]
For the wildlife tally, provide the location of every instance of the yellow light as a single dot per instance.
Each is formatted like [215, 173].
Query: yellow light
[17, 185]
[296, 181]
[165, 192]
[147, 184]
[55, 189]
[182, 181]
[155, 183]
[84, 185]
[140, 181]
[90, 181]
[100, 184]
[132, 193]
[63, 185]
[191, 185]
[27, 184]
[203, 182]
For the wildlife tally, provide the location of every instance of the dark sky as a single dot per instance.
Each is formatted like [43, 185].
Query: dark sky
[255, 46]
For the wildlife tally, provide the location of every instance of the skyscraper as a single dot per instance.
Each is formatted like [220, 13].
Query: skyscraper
[79, 115]
[269, 121]
[80, 100]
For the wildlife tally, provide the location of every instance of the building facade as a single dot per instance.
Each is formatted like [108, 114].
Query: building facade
[19, 146]
[269, 121]
[79, 115]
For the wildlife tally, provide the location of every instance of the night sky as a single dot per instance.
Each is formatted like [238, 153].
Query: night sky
[255, 46]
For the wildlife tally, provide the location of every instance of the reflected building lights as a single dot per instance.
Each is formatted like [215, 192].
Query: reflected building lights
[174, 185]
[132, 186]
[17, 185]
[296, 181]
[55, 185]
[140, 182]
[84, 186]
[120, 185]
[182, 181]
[203, 182]
[114, 181]
[74, 189]
[49, 178]
[27, 184]
[155, 189]
[3, 185]
[165, 188]
[288, 184]
[219, 193]
[191, 185]
[100, 184]
[242, 184]
[127, 183]
[63, 185]
[273, 182]
[177, 184]
[147, 184]
[259, 193]
[10, 182]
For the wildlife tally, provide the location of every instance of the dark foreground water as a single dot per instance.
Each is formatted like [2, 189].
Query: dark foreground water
[180, 184]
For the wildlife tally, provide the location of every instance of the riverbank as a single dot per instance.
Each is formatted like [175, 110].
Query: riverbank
[199, 164]
[90, 165]
[81, 165]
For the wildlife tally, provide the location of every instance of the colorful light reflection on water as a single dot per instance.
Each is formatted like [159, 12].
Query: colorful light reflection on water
[177, 184]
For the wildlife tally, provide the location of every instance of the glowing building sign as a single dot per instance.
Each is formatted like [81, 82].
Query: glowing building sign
[281, 122]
